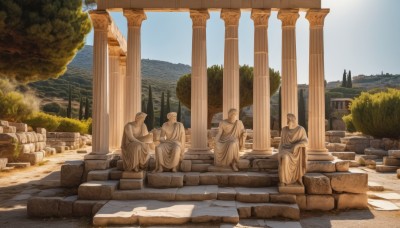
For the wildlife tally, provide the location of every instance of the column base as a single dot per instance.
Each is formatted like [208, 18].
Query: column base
[194, 151]
[319, 155]
[98, 156]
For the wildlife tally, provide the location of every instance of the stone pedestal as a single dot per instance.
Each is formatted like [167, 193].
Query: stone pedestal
[289, 63]
[261, 93]
[316, 119]
[133, 102]
[231, 61]
[199, 82]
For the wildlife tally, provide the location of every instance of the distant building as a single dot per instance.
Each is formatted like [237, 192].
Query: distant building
[340, 105]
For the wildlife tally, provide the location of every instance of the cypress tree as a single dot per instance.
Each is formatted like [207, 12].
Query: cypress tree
[69, 108]
[144, 108]
[302, 110]
[87, 108]
[150, 112]
[168, 108]
[81, 109]
[280, 109]
[162, 118]
[344, 81]
[179, 116]
[349, 81]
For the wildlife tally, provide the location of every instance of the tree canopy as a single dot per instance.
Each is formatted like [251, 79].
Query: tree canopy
[39, 38]
[215, 78]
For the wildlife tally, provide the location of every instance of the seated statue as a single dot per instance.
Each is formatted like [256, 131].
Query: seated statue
[292, 153]
[136, 142]
[229, 141]
[172, 144]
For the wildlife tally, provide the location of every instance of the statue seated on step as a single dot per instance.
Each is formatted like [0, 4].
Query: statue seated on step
[136, 143]
[229, 141]
[292, 153]
[170, 151]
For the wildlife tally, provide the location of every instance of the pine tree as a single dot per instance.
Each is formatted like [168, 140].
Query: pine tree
[349, 80]
[150, 111]
[81, 109]
[302, 110]
[344, 81]
[179, 116]
[162, 118]
[280, 108]
[168, 108]
[69, 109]
[87, 108]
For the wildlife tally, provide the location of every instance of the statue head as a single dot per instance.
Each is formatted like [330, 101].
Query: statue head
[232, 114]
[172, 117]
[140, 117]
[291, 120]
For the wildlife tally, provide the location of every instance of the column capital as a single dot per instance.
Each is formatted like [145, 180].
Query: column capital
[135, 17]
[100, 19]
[288, 17]
[260, 16]
[199, 17]
[114, 50]
[316, 17]
[230, 16]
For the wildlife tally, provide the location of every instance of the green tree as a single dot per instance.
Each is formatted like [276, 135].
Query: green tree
[162, 111]
[168, 107]
[69, 108]
[81, 109]
[39, 38]
[215, 77]
[349, 80]
[302, 110]
[150, 111]
[280, 109]
[344, 81]
[179, 115]
[144, 108]
[87, 109]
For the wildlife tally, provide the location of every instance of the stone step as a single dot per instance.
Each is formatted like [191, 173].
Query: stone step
[151, 212]
[130, 184]
[99, 175]
[386, 169]
[391, 161]
[223, 179]
[345, 155]
[19, 165]
[97, 190]
[378, 152]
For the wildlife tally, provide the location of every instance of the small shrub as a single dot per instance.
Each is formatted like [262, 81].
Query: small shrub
[72, 125]
[41, 119]
[348, 120]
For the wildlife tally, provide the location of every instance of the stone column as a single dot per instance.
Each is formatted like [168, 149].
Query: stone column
[289, 63]
[316, 115]
[231, 61]
[100, 109]
[133, 102]
[116, 107]
[199, 95]
[261, 87]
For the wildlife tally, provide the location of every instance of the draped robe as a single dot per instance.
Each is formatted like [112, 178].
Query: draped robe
[135, 149]
[228, 143]
[292, 155]
[170, 150]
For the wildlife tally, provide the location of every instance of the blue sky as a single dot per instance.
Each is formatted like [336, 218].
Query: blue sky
[360, 35]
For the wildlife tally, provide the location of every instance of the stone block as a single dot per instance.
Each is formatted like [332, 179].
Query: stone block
[291, 189]
[115, 174]
[344, 155]
[3, 163]
[354, 164]
[394, 153]
[3, 123]
[351, 201]
[321, 167]
[191, 179]
[9, 129]
[342, 166]
[282, 198]
[41, 130]
[208, 179]
[1, 130]
[386, 169]
[8, 138]
[389, 144]
[96, 165]
[19, 127]
[98, 175]
[200, 167]
[22, 139]
[363, 159]
[19, 165]
[33, 158]
[186, 165]
[248, 179]
[133, 175]
[43, 207]
[165, 180]
[66, 206]
[372, 186]
[301, 201]
[130, 184]
[350, 182]
[317, 184]
[83, 208]
[71, 173]
[266, 211]
[226, 194]
[97, 190]
[96, 208]
[59, 149]
[391, 161]
[265, 164]
[377, 152]
[376, 143]
[320, 202]
[254, 195]
[244, 164]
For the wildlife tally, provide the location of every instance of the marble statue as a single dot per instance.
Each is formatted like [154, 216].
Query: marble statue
[292, 153]
[136, 143]
[170, 151]
[229, 141]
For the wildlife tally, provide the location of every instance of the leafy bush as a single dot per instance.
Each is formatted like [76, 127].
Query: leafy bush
[13, 107]
[72, 125]
[377, 114]
[52, 107]
[41, 119]
[348, 120]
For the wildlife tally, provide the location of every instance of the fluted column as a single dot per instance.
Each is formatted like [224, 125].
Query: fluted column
[199, 95]
[289, 63]
[100, 109]
[133, 102]
[231, 61]
[316, 115]
[116, 107]
[261, 87]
